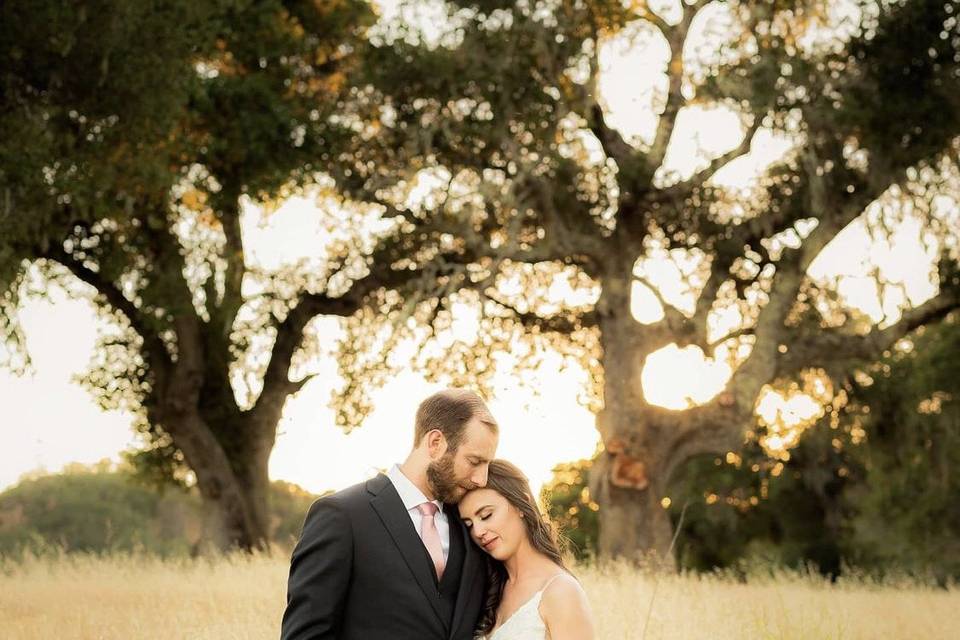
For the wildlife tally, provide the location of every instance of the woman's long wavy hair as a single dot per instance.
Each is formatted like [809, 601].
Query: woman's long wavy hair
[507, 480]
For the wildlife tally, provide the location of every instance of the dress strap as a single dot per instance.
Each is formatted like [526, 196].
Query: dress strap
[547, 583]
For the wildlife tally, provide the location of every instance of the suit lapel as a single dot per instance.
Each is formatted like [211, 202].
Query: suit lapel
[471, 564]
[386, 502]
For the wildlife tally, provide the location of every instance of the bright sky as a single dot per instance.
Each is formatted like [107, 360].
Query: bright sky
[50, 421]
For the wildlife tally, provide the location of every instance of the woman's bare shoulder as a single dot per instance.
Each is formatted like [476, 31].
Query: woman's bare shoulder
[562, 590]
[565, 609]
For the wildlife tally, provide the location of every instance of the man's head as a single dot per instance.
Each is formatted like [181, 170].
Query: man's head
[458, 435]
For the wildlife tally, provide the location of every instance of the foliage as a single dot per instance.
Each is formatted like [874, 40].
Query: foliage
[757, 511]
[102, 510]
[568, 505]
[909, 413]
[91, 92]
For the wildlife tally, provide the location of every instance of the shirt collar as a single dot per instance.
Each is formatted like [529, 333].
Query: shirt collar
[409, 493]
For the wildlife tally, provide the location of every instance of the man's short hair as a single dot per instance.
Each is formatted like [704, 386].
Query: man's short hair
[449, 411]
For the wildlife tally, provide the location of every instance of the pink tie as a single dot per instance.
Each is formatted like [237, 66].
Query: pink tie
[430, 535]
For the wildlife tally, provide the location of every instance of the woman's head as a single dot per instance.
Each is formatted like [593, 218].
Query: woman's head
[503, 516]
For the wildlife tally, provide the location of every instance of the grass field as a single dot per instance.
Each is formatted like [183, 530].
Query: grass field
[239, 598]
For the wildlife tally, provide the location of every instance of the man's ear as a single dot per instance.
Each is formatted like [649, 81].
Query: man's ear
[436, 443]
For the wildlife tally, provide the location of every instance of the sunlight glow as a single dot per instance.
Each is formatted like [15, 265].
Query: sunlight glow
[678, 378]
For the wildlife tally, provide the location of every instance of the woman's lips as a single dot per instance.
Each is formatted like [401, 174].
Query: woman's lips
[489, 544]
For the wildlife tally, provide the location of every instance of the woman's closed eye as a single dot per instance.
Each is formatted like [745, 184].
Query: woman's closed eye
[469, 523]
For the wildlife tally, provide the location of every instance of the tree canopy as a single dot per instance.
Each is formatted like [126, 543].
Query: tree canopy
[492, 136]
[134, 134]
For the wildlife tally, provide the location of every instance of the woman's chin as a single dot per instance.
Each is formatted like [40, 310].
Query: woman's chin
[495, 550]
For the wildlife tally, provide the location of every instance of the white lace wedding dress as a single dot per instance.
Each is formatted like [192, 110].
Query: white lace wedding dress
[525, 623]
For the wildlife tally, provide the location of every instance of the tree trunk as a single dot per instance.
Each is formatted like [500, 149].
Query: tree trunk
[235, 504]
[625, 480]
[226, 452]
[254, 480]
[644, 444]
[230, 521]
[633, 523]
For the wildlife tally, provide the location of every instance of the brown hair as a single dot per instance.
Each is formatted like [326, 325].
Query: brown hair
[450, 411]
[507, 480]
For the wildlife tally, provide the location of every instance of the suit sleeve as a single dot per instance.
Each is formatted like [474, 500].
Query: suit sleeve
[320, 570]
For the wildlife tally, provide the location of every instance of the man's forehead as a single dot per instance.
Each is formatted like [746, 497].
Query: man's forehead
[483, 455]
[480, 442]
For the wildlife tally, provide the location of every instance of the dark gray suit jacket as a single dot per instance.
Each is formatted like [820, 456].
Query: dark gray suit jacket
[361, 572]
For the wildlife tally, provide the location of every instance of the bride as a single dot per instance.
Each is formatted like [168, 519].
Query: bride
[531, 596]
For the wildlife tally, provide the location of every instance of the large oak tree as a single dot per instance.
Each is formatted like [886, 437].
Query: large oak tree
[493, 118]
[133, 134]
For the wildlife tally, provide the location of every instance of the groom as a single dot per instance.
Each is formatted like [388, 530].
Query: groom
[388, 559]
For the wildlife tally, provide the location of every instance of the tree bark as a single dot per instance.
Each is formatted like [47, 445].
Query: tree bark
[626, 476]
[224, 495]
[633, 523]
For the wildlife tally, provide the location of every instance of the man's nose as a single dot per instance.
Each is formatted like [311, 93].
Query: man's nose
[480, 477]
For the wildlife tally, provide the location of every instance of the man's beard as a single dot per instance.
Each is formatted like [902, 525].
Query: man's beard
[442, 480]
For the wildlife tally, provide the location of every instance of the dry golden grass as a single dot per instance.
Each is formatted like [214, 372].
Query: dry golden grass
[238, 598]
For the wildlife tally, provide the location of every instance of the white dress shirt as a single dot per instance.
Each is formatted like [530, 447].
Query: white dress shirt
[412, 497]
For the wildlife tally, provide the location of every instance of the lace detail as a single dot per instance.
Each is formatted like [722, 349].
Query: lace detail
[525, 623]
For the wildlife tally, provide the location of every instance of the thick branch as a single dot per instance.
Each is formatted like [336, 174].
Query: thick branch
[723, 160]
[610, 139]
[156, 351]
[644, 12]
[567, 231]
[676, 38]
[833, 349]
[234, 256]
[564, 323]
[276, 381]
[719, 273]
[736, 333]
[833, 214]
[677, 322]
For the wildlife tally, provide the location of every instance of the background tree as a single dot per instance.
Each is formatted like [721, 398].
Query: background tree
[906, 409]
[134, 135]
[495, 118]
